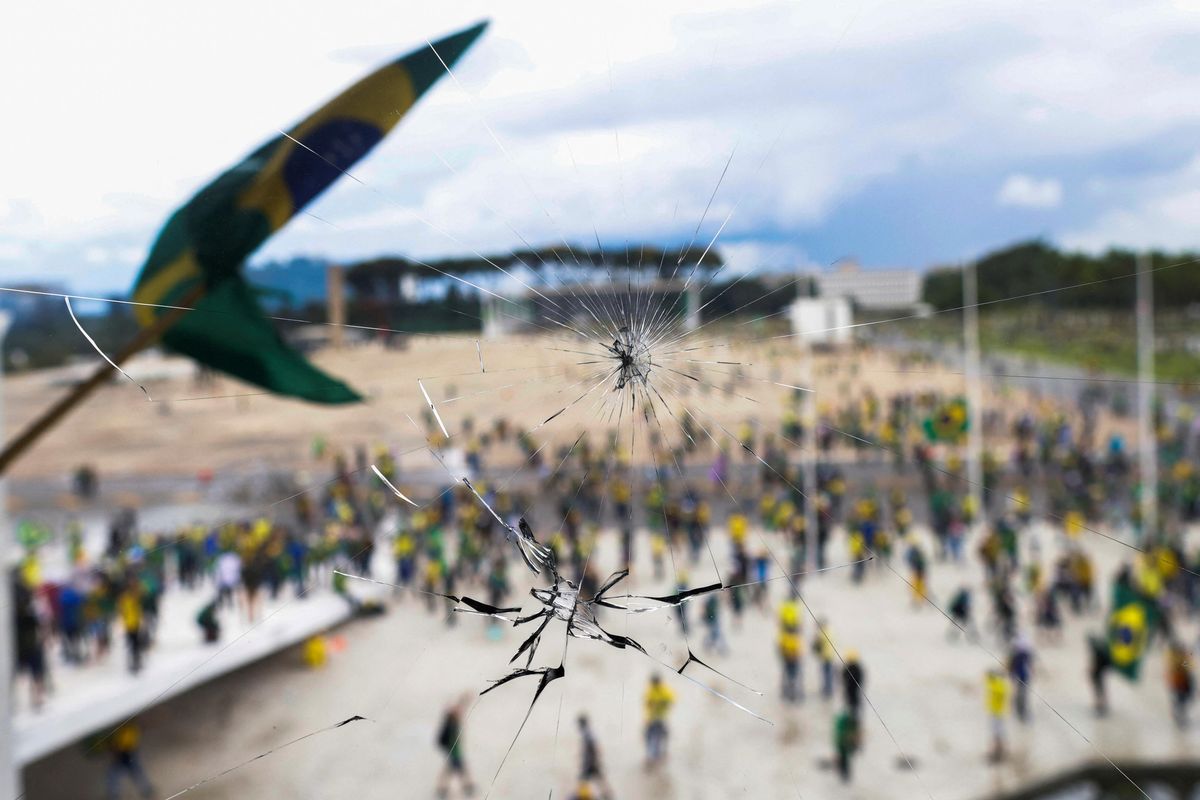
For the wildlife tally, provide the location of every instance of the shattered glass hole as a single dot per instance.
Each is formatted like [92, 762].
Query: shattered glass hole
[631, 350]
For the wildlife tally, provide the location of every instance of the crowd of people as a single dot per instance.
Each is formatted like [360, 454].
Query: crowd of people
[1061, 474]
[884, 474]
[112, 599]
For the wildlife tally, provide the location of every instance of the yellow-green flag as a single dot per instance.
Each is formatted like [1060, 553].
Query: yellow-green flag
[207, 241]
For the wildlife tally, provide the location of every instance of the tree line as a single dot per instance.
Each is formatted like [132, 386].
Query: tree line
[379, 277]
[1039, 273]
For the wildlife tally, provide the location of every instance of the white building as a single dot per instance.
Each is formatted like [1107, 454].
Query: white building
[821, 320]
[847, 294]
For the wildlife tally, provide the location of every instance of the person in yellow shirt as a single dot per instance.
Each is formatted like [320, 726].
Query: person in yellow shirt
[789, 653]
[766, 511]
[584, 791]
[1073, 525]
[738, 527]
[433, 578]
[658, 551]
[822, 647]
[746, 437]
[858, 555]
[789, 613]
[123, 744]
[996, 698]
[658, 701]
[31, 571]
[404, 550]
[903, 519]
[129, 608]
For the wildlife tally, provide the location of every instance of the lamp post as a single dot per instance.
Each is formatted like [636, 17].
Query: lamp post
[974, 392]
[1147, 441]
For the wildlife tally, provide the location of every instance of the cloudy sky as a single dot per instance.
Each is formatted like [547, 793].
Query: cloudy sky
[906, 133]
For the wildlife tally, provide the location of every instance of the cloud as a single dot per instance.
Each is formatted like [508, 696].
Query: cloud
[13, 251]
[1025, 191]
[821, 104]
[746, 256]
[1155, 211]
[96, 254]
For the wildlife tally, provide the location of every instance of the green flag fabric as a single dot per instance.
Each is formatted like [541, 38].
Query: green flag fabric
[948, 423]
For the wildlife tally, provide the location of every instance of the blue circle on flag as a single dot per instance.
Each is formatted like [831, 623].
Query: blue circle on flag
[325, 154]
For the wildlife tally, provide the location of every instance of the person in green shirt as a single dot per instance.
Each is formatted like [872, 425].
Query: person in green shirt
[449, 741]
[845, 742]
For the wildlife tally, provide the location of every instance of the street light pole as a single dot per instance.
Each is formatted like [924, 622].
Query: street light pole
[974, 391]
[1147, 441]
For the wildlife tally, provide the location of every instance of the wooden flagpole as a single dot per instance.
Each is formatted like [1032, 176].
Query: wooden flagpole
[55, 413]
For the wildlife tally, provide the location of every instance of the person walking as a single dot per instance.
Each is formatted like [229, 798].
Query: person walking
[714, 640]
[1020, 669]
[846, 741]
[123, 744]
[254, 574]
[210, 624]
[822, 647]
[1097, 668]
[790, 646]
[960, 616]
[229, 577]
[1180, 681]
[591, 772]
[918, 566]
[854, 681]
[449, 741]
[129, 607]
[30, 640]
[658, 701]
[404, 551]
[996, 698]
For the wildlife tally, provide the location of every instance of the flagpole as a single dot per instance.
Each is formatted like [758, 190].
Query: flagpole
[974, 391]
[10, 773]
[53, 415]
[1147, 444]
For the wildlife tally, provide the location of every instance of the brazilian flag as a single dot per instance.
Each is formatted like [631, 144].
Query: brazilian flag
[204, 245]
[948, 423]
[1130, 624]
[32, 535]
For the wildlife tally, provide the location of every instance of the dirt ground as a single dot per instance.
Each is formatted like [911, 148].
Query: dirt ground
[226, 425]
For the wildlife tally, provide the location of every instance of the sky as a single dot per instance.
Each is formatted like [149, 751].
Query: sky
[899, 134]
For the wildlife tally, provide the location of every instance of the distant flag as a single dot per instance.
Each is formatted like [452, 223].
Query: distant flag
[1131, 622]
[948, 423]
[32, 535]
[201, 250]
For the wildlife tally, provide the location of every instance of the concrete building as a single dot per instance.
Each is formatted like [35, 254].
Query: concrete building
[848, 294]
[581, 305]
[873, 289]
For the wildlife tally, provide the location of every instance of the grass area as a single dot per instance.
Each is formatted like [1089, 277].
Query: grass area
[1102, 341]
